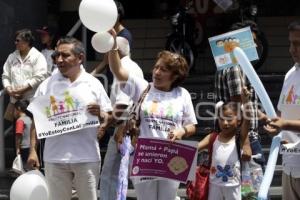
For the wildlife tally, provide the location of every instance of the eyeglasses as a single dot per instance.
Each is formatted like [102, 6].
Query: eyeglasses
[55, 54]
[18, 40]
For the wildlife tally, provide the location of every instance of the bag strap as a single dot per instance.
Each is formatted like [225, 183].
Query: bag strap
[137, 107]
[238, 146]
[212, 139]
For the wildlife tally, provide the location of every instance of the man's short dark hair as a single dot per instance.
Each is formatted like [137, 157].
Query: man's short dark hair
[294, 26]
[78, 46]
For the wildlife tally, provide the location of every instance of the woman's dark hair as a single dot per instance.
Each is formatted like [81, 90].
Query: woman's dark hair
[25, 35]
[234, 106]
[22, 106]
[294, 26]
[176, 64]
[121, 11]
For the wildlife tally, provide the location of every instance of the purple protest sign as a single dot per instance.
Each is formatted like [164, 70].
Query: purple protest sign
[162, 158]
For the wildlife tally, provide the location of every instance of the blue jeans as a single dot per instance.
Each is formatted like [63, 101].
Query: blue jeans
[110, 171]
[257, 149]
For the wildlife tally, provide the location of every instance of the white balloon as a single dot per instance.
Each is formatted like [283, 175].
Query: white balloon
[267, 104]
[30, 186]
[102, 42]
[98, 15]
[255, 81]
[270, 168]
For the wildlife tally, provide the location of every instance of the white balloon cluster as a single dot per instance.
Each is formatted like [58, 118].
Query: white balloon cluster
[99, 16]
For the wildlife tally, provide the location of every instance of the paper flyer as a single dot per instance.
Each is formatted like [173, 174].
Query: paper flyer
[222, 47]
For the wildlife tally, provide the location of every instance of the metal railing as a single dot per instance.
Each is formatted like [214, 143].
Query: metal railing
[73, 30]
[2, 148]
[83, 35]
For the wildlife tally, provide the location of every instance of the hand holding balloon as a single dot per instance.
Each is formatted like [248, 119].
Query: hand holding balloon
[114, 34]
[255, 81]
[267, 105]
[274, 125]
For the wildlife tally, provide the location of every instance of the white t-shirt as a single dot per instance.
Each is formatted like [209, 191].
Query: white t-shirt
[161, 111]
[225, 164]
[82, 145]
[25, 121]
[289, 106]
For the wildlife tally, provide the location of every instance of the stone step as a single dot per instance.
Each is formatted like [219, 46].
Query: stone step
[275, 194]
[6, 181]
[4, 195]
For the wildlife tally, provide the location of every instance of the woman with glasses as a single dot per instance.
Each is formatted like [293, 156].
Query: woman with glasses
[24, 69]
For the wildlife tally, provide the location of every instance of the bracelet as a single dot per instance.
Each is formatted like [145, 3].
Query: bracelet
[115, 49]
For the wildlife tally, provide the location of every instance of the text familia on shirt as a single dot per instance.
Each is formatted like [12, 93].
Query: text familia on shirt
[161, 111]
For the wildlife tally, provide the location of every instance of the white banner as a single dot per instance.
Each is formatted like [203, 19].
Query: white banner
[56, 115]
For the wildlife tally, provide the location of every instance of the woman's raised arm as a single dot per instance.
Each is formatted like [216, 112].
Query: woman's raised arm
[115, 62]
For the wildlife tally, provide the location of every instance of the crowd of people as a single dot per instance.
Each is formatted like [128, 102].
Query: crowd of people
[72, 160]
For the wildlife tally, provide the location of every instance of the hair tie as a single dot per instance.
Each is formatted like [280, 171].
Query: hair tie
[219, 104]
